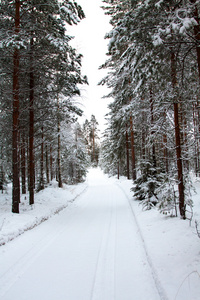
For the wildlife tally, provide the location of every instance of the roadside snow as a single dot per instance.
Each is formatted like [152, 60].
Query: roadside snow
[172, 246]
[48, 202]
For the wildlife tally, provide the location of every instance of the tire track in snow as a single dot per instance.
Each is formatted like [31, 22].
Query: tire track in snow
[8, 278]
[159, 287]
[18, 269]
[38, 221]
[105, 266]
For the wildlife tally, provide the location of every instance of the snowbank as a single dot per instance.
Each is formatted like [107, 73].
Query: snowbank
[172, 245]
[48, 202]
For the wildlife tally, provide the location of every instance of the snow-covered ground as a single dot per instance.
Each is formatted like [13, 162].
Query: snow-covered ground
[48, 202]
[94, 242]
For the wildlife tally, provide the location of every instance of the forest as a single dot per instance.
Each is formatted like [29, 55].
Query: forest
[40, 79]
[92, 213]
[153, 75]
[153, 123]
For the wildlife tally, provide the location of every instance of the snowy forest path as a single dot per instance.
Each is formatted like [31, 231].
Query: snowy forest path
[90, 251]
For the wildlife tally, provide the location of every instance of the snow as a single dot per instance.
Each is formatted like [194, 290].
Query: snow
[48, 202]
[96, 244]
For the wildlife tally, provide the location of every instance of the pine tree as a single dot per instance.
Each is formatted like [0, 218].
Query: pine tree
[40, 40]
[149, 48]
[91, 136]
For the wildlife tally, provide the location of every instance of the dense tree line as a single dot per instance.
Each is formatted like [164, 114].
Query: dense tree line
[153, 123]
[91, 133]
[40, 73]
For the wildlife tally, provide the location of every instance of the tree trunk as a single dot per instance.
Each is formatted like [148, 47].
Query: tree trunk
[118, 170]
[31, 130]
[1, 178]
[23, 163]
[152, 131]
[132, 149]
[196, 130]
[15, 163]
[197, 37]
[1, 173]
[47, 164]
[58, 130]
[93, 145]
[165, 152]
[178, 140]
[143, 133]
[127, 154]
[132, 142]
[51, 163]
[41, 181]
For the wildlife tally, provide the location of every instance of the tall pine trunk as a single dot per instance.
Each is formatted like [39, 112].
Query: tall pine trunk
[132, 149]
[58, 131]
[197, 37]
[41, 180]
[15, 162]
[152, 130]
[165, 151]
[196, 130]
[178, 139]
[1, 171]
[93, 145]
[51, 163]
[23, 163]
[132, 143]
[47, 163]
[143, 133]
[127, 154]
[31, 130]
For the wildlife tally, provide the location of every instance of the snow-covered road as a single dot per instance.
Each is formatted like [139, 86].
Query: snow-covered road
[92, 250]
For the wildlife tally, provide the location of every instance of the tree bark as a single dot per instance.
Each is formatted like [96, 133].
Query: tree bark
[165, 152]
[31, 130]
[23, 163]
[152, 131]
[178, 140]
[47, 163]
[197, 37]
[41, 182]
[196, 130]
[51, 163]
[93, 145]
[15, 162]
[118, 170]
[58, 131]
[1, 178]
[127, 154]
[132, 149]
[143, 133]
[1, 172]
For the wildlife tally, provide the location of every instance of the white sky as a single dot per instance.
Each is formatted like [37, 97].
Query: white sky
[89, 41]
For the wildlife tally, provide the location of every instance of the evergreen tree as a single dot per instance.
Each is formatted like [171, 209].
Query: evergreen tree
[48, 66]
[150, 59]
[91, 136]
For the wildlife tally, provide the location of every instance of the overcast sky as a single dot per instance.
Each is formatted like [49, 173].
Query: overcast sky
[89, 41]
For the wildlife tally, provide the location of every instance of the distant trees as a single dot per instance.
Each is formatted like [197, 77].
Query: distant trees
[90, 130]
[154, 79]
[40, 71]
[75, 156]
